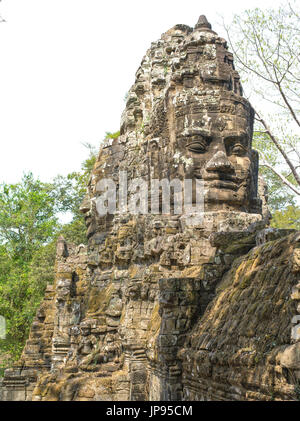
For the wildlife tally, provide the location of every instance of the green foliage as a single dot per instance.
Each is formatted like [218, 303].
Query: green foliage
[29, 227]
[28, 222]
[109, 135]
[288, 218]
[27, 217]
[279, 195]
[41, 269]
[15, 291]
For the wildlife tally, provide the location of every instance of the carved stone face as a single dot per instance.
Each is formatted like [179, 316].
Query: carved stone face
[216, 147]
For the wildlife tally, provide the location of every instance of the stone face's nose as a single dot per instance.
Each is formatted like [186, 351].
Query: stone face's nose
[219, 163]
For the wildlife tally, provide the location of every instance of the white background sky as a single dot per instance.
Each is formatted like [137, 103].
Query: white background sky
[66, 66]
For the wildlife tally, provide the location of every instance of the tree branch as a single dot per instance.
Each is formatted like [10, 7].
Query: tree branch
[288, 104]
[282, 177]
[278, 146]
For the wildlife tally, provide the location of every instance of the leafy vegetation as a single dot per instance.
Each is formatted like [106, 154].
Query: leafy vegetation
[287, 218]
[29, 227]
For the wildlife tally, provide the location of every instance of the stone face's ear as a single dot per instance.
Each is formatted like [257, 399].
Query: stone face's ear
[251, 122]
[85, 205]
[254, 167]
[254, 196]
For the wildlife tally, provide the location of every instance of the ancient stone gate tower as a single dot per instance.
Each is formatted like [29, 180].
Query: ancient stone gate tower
[156, 308]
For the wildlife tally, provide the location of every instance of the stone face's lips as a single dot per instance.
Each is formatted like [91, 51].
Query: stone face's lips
[213, 176]
[222, 184]
[218, 181]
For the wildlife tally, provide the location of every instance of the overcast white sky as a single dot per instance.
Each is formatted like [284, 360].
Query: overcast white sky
[66, 66]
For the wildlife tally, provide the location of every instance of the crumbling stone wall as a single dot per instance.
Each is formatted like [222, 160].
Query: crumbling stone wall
[245, 346]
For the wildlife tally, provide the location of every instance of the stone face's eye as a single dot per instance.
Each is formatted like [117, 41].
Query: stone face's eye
[236, 146]
[238, 149]
[197, 146]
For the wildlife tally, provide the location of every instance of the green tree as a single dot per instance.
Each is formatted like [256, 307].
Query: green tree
[29, 227]
[27, 217]
[288, 218]
[28, 222]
